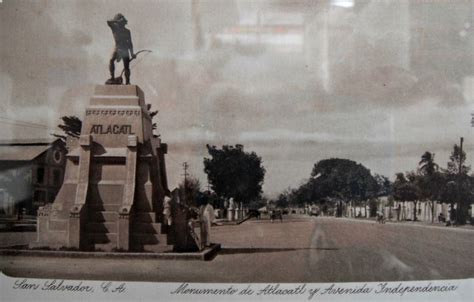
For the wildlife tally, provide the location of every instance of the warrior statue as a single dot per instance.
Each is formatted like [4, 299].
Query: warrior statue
[123, 49]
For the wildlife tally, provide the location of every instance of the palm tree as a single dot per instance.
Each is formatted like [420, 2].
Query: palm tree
[427, 164]
[429, 180]
[71, 127]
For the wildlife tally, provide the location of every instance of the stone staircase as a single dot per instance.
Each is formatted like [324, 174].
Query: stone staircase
[148, 235]
[101, 227]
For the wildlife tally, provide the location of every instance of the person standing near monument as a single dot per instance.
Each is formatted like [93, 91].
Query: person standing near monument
[123, 47]
[167, 212]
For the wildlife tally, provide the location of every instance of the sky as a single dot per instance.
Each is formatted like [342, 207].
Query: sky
[377, 82]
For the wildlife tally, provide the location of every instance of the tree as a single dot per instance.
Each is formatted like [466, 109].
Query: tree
[459, 188]
[384, 185]
[457, 160]
[71, 127]
[283, 199]
[301, 196]
[233, 173]
[338, 181]
[258, 203]
[430, 180]
[190, 190]
[427, 166]
[405, 189]
[344, 178]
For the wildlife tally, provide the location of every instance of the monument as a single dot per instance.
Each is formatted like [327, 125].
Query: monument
[115, 184]
[115, 181]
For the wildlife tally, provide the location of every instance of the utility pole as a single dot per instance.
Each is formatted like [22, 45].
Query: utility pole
[208, 185]
[460, 155]
[185, 174]
[459, 206]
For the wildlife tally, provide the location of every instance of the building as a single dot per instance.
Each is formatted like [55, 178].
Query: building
[31, 173]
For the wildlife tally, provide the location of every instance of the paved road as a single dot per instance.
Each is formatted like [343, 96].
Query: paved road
[300, 249]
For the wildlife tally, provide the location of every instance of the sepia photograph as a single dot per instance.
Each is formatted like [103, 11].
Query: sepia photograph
[213, 142]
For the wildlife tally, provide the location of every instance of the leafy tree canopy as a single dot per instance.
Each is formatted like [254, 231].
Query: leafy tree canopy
[233, 173]
[457, 159]
[343, 179]
[405, 187]
[384, 185]
[71, 126]
[190, 190]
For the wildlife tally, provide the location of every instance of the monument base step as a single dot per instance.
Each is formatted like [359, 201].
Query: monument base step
[152, 248]
[207, 254]
[145, 217]
[101, 227]
[95, 238]
[148, 238]
[53, 239]
[100, 216]
[148, 228]
[109, 207]
[106, 247]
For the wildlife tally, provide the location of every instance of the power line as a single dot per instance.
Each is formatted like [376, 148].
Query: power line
[25, 125]
[10, 121]
[20, 121]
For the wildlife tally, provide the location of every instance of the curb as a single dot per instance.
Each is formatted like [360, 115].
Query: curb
[207, 254]
[235, 222]
[414, 224]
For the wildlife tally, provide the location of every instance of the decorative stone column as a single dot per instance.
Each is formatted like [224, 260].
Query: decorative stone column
[76, 213]
[43, 221]
[123, 242]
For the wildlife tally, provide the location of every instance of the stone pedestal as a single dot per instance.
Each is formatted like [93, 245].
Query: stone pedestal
[238, 214]
[115, 180]
[230, 214]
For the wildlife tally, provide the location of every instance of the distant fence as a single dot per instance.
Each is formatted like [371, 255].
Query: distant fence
[406, 211]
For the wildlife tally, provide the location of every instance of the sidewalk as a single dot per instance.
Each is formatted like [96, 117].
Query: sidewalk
[436, 225]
